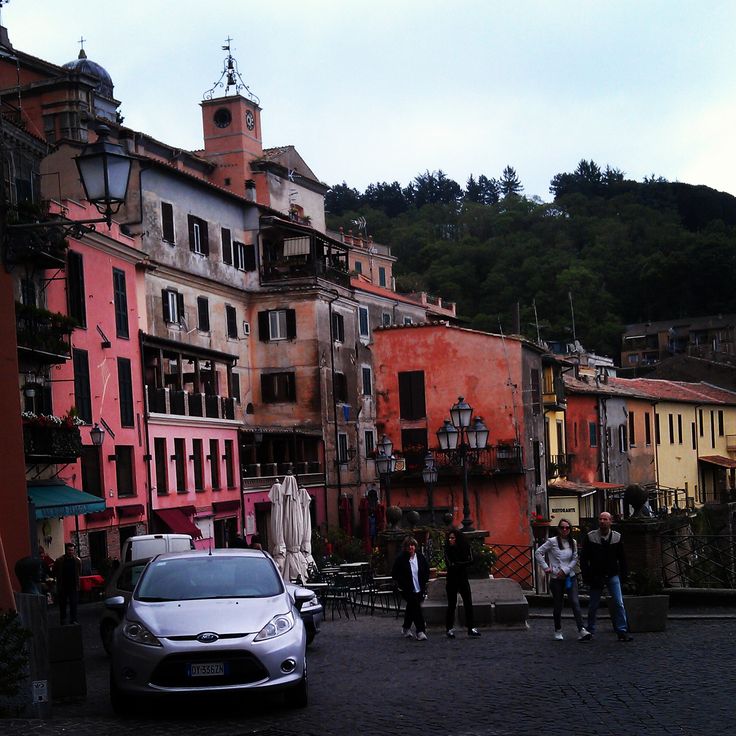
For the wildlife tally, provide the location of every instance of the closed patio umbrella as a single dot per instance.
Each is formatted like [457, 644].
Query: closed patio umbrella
[295, 564]
[278, 544]
[306, 545]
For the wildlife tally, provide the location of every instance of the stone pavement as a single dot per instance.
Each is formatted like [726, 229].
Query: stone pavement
[366, 679]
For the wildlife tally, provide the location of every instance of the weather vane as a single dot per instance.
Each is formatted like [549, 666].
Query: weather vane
[230, 77]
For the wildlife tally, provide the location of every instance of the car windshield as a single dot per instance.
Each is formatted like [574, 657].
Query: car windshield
[216, 576]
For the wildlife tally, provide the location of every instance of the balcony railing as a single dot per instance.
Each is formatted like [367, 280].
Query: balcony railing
[46, 334]
[505, 458]
[50, 444]
[182, 403]
[558, 466]
[261, 476]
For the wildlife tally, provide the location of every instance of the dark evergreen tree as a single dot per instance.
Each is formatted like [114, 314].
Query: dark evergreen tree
[509, 183]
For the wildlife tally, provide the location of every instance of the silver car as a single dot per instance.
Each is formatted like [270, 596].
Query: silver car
[218, 621]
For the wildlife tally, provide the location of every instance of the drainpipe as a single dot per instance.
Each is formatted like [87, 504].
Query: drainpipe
[334, 403]
[603, 439]
[149, 496]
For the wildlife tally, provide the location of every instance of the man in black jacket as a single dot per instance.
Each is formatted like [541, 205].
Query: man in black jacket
[603, 563]
[411, 574]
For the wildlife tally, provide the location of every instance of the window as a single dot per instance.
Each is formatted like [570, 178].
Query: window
[363, 322]
[656, 429]
[720, 423]
[411, 395]
[167, 222]
[198, 238]
[173, 306]
[227, 246]
[671, 424]
[647, 429]
[28, 292]
[231, 317]
[246, 254]
[75, 287]
[700, 421]
[197, 460]
[712, 429]
[229, 474]
[693, 433]
[340, 388]
[277, 324]
[235, 386]
[593, 434]
[358, 267]
[386, 319]
[536, 392]
[278, 387]
[342, 447]
[381, 276]
[408, 321]
[338, 327]
[159, 452]
[91, 471]
[622, 440]
[414, 447]
[632, 435]
[124, 470]
[679, 429]
[203, 314]
[215, 463]
[121, 303]
[367, 381]
[125, 392]
[370, 442]
[180, 455]
[82, 394]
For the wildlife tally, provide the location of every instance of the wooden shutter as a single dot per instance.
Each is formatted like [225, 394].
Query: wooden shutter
[121, 303]
[250, 257]
[167, 222]
[190, 223]
[227, 247]
[165, 303]
[203, 313]
[290, 324]
[180, 306]
[264, 330]
[267, 387]
[204, 237]
[232, 321]
[75, 285]
[125, 392]
[82, 394]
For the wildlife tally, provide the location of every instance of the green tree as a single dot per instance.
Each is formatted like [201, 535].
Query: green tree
[509, 183]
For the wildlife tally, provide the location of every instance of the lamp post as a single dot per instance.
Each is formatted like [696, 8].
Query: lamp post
[97, 435]
[429, 476]
[104, 169]
[462, 438]
[385, 464]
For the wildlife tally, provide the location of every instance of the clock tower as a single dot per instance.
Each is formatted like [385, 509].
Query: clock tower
[231, 125]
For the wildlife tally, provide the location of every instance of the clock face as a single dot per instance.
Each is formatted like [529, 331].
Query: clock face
[222, 118]
[250, 120]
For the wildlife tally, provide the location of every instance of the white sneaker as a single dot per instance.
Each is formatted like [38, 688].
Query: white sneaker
[585, 635]
[558, 636]
[406, 633]
[421, 636]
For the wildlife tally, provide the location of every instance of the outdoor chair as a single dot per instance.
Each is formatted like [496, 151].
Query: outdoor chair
[339, 597]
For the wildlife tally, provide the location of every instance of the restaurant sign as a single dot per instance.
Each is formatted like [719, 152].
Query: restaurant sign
[564, 507]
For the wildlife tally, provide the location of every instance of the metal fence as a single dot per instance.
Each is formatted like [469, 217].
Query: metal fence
[698, 561]
[515, 561]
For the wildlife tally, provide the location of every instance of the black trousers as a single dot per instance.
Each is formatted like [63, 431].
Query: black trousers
[455, 585]
[413, 613]
[71, 597]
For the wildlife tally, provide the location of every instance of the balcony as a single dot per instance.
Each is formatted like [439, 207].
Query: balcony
[261, 476]
[294, 252]
[51, 443]
[558, 466]
[44, 334]
[494, 459]
[183, 403]
[43, 247]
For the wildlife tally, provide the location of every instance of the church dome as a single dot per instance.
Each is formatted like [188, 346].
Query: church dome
[83, 65]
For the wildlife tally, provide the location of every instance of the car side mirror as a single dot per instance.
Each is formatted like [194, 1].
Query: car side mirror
[115, 603]
[301, 596]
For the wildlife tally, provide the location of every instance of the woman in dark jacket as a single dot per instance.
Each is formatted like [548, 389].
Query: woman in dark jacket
[411, 574]
[458, 557]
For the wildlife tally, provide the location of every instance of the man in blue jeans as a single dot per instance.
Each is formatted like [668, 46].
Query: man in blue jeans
[603, 563]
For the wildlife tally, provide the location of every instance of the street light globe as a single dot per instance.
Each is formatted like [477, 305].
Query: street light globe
[461, 413]
[477, 434]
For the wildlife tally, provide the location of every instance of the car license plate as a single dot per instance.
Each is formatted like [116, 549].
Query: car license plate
[207, 669]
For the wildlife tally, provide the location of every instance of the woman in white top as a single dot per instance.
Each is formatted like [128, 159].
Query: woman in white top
[559, 557]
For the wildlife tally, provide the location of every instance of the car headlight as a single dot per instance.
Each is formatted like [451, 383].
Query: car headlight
[139, 634]
[276, 626]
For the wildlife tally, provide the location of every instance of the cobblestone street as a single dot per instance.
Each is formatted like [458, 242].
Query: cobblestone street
[364, 678]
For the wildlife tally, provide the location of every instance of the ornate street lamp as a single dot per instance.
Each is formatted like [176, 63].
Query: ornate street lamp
[97, 435]
[462, 439]
[429, 476]
[385, 465]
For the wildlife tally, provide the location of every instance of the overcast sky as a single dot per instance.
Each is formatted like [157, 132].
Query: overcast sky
[381, 90]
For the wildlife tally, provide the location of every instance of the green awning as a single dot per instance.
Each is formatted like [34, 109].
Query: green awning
[52, 499]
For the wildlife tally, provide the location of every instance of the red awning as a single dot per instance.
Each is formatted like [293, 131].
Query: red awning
[724, 462]
[178, 522]
[105, 515]
[135, 509]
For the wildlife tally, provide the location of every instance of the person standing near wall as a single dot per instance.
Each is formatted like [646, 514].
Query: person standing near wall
[558, 556]
[411, 574]
[603, 563]
[67, 570]
[458, 557]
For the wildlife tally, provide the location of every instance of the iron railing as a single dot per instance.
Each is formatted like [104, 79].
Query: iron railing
[515, 561]
[698, 561]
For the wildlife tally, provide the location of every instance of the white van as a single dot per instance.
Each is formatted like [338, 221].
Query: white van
[148, 545]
